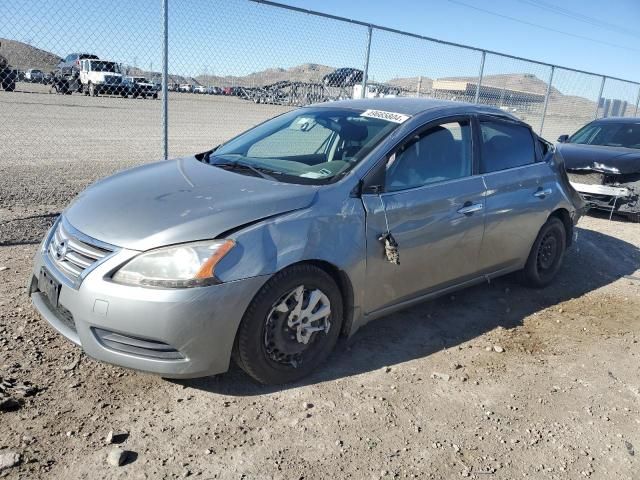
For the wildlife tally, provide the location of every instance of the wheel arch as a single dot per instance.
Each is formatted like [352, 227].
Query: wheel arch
[565, 217]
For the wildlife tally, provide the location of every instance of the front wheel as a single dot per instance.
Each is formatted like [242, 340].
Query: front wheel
[291, 325]
[9, 85]
[93, 91]
[547, 253]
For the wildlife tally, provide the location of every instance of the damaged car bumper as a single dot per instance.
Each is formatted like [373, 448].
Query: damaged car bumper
[145, 329]
[617, 193]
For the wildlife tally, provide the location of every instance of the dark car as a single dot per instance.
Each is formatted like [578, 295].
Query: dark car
[603, 163]
[66, 76]
[140, 87]
[343, 77]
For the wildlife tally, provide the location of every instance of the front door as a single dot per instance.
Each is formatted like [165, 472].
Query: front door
[433, 206]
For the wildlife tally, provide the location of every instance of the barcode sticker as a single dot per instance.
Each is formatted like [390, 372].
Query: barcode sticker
[390, 116]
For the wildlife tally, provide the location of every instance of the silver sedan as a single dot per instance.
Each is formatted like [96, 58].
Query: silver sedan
[268, 248]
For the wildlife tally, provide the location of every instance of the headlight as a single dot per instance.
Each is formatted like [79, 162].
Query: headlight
[178, 266]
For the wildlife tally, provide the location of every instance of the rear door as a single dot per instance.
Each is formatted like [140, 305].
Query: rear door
[433, 205]
[520, 192]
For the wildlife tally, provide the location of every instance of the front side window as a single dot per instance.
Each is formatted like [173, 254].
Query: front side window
[440, 153]
[308, 145]
[505, 145]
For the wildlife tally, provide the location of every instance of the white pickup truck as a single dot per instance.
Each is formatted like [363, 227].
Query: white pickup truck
[102, 77]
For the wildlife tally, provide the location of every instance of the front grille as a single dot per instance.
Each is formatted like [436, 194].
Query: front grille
[587, 178]
[72, 255]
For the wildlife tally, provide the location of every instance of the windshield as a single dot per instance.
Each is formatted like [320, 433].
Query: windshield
[308, 145]
[99, 66]
[609, 134]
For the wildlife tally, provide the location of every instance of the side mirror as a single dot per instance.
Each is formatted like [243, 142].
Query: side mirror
[563, 138]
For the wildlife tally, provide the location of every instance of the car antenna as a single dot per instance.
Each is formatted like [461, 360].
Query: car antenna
[390, 244]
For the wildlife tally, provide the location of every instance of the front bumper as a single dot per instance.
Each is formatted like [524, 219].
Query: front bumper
[111, 88]
[176, 333]
[622, 199]
[610, 191]
[149, 92]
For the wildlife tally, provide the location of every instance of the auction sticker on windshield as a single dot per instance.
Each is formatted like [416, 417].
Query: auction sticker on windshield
[390, 116]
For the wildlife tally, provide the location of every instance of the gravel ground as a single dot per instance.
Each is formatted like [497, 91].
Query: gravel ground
[497, 381]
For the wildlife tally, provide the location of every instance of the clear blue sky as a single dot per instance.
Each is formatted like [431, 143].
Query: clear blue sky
[239, 37]
[455, 22]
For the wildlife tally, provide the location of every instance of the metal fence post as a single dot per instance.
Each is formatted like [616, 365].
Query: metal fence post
[365, 74]
[637, 102]
[600, 95]
[480, 75]
[546, 99]
[165, 79]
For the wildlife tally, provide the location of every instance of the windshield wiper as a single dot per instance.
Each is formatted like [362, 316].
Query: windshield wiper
[261, 172]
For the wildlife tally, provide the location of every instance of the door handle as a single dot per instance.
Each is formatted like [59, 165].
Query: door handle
[540, 193]
[469, 208]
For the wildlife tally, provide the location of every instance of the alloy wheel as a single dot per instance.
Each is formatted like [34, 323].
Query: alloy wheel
[295, 325]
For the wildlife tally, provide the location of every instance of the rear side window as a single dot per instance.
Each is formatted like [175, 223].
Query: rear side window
[505, 145]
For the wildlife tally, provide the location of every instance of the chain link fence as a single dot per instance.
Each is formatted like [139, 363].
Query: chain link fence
[81, 84]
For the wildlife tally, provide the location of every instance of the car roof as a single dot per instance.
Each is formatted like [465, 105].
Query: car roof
[618, 120]
[412, 106]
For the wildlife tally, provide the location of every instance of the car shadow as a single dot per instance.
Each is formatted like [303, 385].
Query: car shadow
[594, 261]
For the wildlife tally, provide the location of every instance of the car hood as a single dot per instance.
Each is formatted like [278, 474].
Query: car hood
[580, 157]
[179, 201]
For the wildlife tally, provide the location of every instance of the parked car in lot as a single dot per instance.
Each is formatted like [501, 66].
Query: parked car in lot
[185, 87]
[33, 75]
[200, 89]
[66, 75]
[8, 75]
[270, 246]
[343, 77]
[140, 87]
[603, 164]
[102, 77]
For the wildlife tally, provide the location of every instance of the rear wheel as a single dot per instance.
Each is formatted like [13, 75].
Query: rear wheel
[547, 253]
[291, 325]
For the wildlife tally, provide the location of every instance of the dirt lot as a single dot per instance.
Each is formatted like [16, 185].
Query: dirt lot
[497, 381]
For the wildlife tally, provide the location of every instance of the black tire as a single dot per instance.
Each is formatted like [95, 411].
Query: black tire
[547, 253]
[254, 350]
[9, 86]
[155, 96]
